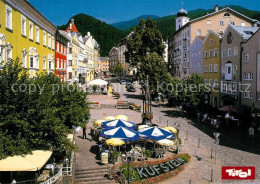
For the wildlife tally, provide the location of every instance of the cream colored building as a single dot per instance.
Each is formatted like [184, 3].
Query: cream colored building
[89, 55]
[187, 30]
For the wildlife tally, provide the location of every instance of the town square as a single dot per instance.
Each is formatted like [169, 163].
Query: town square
[94, 95]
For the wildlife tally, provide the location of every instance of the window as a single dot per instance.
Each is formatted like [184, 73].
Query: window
[37, 34]
[49, 40]
[65, 62]
[229, 52]
[24, 59]
[210, 42]
[206, 81]
[215, 52]
[31, 30]
[198, 32]
[248, 76]
[9, 17]
[215, 67]
[58, 63]
[246, 57]
[209, 22]
[215, 83]
[248, 94]
[61, 63]
[31, 62]
[70, 62]
[243, 24]
[234, 69]
[210, 82]
[61, 49]
[199, 53]
[2, 54]
[210, 53]
[44, 38]
[23, 22]
[58, 47]
[70, 75]
[206, 69]
[53, 43]
[223, 53]
[233, 23]
[205, 55]
[210, 68]
[50, 65]
[37, 62]
[44, 63]
[221, 23]
[235, 52]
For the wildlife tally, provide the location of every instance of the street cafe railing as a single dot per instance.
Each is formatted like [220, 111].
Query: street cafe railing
[54, 178]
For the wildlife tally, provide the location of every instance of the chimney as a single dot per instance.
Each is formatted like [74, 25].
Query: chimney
[70, 26]
[72, 21]
[216, 8]
[255, 24]
[88, 33]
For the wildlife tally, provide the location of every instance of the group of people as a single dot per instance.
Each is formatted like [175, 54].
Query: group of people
[209, 120]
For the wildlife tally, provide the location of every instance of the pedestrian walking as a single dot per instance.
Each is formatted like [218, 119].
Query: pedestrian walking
[251, 133]
[227, 117]
[91, 134]
[84, 133]
[198, 117]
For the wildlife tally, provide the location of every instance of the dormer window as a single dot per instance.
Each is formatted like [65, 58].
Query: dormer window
[226, 15]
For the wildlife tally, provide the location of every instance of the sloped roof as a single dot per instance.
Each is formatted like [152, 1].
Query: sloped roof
[73, 28]
[245, 32]
[215, 13]
[63, 33]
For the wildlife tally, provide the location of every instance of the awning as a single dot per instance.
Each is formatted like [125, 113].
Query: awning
[32, 162]
[98, 82]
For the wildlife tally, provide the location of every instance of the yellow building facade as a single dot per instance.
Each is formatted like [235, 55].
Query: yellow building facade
[25, 33]
[211, 66]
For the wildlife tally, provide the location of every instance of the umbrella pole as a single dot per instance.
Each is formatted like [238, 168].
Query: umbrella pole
[11, 176]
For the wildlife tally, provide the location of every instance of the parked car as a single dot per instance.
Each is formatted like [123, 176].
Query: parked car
[106, 76]
[123, 82]
[128, 84]
[130, 88]
[141, 82]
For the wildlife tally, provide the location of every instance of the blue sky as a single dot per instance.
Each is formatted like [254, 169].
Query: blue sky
[110, 11]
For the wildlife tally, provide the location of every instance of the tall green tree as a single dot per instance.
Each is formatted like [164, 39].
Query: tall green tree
[118, 69]
[145, 51]
[37, 113]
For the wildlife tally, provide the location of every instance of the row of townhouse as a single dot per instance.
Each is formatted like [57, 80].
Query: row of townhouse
[26, 34]
[226, 52]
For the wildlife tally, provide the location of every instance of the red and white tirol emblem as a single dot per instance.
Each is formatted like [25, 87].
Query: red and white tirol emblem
[238, 173]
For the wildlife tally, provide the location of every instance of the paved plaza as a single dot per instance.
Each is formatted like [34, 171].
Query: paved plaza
[198, 170]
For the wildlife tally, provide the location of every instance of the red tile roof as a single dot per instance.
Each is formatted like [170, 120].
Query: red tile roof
[73, 28]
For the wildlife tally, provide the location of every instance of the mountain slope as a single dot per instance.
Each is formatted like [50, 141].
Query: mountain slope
[106, 35]
[167, 24]
[125, 25]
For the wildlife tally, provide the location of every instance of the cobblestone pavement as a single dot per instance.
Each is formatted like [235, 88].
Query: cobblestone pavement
[199, 169]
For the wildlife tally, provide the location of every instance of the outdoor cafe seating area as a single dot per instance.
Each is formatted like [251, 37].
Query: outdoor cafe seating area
[120, 140]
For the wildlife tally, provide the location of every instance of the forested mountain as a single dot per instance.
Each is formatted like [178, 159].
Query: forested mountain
[167, 24]
[125, 25]
[106, 35]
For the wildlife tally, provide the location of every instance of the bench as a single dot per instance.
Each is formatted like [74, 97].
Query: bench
[122, 105]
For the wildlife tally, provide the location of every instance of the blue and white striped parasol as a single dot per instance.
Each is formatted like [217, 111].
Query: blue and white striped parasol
[120, 132]
[156, 133]
[118, 123]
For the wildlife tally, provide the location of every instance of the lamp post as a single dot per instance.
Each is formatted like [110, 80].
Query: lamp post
[147, 111]
[178, 131]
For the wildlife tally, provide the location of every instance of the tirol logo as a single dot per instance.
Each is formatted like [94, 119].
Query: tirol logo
[238, 173]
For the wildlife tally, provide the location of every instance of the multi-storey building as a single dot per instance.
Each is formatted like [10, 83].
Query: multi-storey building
[96, 57]
[25, 33]
[186, 31]
[195, 65]
[231, 63]
[165, 54]
[89, 55]
[72, 56]
[82, 60]
[61, 55]
[251, 72]
[104, 65]
[113, 58]
[211, 66]
[121, 55]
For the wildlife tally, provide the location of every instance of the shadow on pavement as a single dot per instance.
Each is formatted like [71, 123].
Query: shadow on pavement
[233, 138]
[134, 96]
